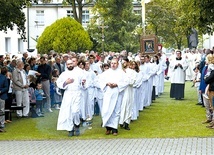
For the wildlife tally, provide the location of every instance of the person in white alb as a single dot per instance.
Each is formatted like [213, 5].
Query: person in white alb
[111, 83]
[71, 81]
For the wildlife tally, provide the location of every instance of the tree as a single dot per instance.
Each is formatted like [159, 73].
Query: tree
[64, 35]
[121, 21]
[205, 16]
[172, 21]
[11, 14]
[77, 7]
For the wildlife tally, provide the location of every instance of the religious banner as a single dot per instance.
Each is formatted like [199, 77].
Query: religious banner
[149, 44]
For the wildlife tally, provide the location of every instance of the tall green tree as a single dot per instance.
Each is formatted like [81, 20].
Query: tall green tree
[118, 15]
[64, 35]
[11, 14]
[172, 20]
[205, 20]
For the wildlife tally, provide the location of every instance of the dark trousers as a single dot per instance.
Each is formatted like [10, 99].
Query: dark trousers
[96, 109]
[8, 104]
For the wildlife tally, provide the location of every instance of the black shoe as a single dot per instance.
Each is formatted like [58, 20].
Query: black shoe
[121, 125]
[77, 130]
[114, 132]
[71, 133]
[198, 104]
[126, 126]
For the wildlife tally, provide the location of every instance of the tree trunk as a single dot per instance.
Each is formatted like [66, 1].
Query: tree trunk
[179, 43]
[74, 10]
[80, 6]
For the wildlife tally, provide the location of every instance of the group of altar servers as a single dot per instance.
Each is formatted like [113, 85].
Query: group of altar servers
[121, 89]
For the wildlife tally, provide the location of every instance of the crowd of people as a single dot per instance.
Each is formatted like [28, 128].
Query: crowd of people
[198, 67]
[113, 86]
[116, 86]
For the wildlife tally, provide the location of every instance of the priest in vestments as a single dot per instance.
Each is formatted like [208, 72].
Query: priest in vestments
[178, 67]
[112, 84]
[71, 80]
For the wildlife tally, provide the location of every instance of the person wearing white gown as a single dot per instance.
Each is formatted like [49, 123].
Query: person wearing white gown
[151, 72]
[90, 89]
[178, 67]
[71, 81]
[163, 66]
[144, 70]
[128, 98]
[94, 66]
[99, 92]
[84, 94]
[112, 85]
[136, 94]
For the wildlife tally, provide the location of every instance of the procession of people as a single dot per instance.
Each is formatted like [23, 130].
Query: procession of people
[114, 86]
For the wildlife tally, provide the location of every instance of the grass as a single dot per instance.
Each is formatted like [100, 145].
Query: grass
[165, 118]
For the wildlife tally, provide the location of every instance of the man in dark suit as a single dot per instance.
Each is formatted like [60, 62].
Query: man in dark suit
[3, 95]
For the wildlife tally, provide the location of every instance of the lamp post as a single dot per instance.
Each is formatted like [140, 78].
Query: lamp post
[143, 2]
[103, 36]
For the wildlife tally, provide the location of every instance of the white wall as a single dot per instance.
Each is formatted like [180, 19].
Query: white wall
[208, 41]
[13, 46]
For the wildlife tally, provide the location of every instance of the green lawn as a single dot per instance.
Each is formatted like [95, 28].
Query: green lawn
[165, 118]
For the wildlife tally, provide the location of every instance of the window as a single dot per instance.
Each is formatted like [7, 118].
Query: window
[40, 20]
[138, 12]
[20, 45]
[85, 16]
[7, 45]
[70, 13]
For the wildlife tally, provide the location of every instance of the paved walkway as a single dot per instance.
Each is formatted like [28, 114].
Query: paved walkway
[154, 146]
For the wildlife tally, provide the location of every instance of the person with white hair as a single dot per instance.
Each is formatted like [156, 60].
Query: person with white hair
[20, 87]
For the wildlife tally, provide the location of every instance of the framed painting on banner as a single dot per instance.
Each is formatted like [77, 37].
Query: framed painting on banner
[149, 44]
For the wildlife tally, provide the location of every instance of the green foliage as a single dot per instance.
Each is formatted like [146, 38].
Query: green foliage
[121, 21]
[64, 35]
[172, 20]
[167, 20]
[11, 14]
[205, 16]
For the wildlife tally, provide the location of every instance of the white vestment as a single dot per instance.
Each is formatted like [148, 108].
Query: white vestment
[69, 113]
[112, 96]
[156, 78]
[91, 92]
[99, 93]
[128, 98]
[84, 97]
[163, 67]
[191, 65]
[144, 69]
[178, 74]
[95, 67]
[136, 96]
[151, 74]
